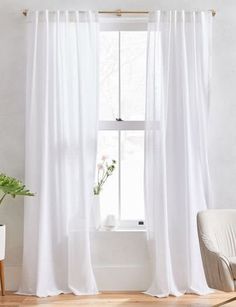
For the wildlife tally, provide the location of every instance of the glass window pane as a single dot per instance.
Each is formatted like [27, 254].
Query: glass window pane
[108, 75]
[132, 93]
[132, 172]
[108, 146]
[133, 74]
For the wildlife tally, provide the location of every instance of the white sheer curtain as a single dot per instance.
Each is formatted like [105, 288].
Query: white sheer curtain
[61, 133]
[176, 167]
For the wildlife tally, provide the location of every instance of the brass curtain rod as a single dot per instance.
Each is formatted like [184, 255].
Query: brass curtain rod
[120, 12]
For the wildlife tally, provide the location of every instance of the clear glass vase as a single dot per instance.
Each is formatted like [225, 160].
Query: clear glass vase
[95, 218]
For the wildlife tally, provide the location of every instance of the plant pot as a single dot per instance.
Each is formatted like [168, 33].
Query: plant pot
[95, 217]
[2, 241]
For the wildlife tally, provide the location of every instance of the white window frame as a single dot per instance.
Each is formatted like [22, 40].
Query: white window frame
[123, 125]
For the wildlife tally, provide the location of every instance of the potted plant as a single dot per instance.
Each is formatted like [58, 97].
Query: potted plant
[104, 170]
[13, 187]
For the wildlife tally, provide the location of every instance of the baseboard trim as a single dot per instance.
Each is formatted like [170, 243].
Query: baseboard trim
[109, 278]
[122, 277]
[12, 277]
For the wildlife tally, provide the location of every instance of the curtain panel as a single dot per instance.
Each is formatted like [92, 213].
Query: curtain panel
[61, 137]
[177, 183]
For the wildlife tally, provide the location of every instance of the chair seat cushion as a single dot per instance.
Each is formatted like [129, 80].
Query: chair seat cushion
[232, 262]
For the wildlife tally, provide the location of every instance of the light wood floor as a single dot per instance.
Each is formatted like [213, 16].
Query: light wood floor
[129, 299]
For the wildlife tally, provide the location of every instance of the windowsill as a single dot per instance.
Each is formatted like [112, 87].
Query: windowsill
[121, 230]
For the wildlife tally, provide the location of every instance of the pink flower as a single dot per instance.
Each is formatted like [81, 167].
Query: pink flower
[104, 157]
[100, 166]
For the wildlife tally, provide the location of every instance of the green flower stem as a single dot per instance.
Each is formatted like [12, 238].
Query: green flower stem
[2, 198]
[102, 175]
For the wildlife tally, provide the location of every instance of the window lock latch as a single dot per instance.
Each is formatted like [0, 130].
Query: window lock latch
[119, 119]
[140, 223]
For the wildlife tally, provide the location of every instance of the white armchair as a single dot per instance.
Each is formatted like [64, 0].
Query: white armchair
[217, 237]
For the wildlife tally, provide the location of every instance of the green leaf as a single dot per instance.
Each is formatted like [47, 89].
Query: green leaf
[12, 186]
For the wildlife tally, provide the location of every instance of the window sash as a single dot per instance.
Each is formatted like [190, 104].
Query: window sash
[123, 125]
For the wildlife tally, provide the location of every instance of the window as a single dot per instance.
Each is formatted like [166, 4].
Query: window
[121, 135]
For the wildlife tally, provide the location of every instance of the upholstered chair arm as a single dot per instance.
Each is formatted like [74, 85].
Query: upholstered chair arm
[217, 269]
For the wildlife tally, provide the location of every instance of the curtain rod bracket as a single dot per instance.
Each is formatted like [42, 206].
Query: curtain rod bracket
[213, 13]
[118, 13]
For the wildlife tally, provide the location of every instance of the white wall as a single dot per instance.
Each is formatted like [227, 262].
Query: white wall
[120, 259]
